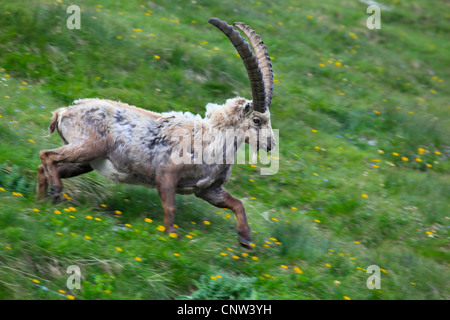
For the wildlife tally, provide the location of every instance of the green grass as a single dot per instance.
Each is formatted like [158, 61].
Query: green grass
[363, 118]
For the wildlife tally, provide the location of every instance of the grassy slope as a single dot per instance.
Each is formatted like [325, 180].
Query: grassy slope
[347, 100]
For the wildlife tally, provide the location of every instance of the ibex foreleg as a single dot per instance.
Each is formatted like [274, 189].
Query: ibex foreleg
[166, 184]
[222, 199]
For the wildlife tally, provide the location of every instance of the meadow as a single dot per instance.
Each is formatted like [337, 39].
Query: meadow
[363, 119]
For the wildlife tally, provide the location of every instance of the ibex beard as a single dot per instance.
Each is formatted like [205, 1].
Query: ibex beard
[219, 146]
[173, 152]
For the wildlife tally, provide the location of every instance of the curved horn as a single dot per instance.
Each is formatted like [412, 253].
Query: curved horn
[263, 58]
[250, 62]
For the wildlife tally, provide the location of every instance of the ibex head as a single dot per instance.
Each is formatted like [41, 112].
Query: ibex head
[256, 113]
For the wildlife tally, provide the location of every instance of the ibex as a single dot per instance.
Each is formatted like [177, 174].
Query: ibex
[131, 145]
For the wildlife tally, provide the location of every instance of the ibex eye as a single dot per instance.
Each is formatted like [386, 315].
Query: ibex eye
[257, 121]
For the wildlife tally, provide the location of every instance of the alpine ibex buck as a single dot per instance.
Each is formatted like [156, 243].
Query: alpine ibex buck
[131, 145]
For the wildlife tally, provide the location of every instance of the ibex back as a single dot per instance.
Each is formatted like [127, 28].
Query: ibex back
[131, 145]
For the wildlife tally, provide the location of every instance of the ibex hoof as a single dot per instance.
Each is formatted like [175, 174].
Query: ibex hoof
[55, 193]
[55, 198]
[246, 243]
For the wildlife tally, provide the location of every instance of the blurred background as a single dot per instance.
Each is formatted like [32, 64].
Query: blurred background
[363, 119]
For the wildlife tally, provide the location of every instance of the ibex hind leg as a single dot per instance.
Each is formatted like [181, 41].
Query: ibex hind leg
[42, 185]
[69, 170]
[65, 170]
[65, 162]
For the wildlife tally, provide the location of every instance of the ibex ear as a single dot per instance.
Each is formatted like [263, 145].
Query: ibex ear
[247, 109]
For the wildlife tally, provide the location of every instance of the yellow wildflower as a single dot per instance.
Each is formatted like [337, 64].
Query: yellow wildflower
[298, 270]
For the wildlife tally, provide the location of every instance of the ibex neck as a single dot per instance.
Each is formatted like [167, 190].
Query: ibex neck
[226, 116]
